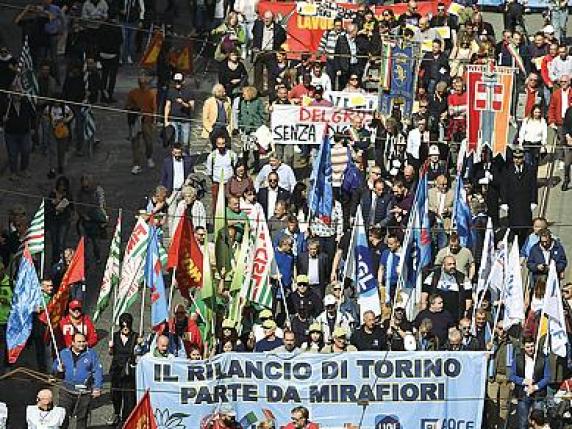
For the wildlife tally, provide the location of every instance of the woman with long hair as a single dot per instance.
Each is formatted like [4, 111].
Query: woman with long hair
[315, 340]
[122, 370]
[532, 136]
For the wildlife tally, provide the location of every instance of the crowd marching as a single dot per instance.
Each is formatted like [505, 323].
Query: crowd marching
[398, 231]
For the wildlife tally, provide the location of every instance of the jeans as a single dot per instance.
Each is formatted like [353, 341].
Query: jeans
[182, 133]
[523, 408]
[129, 33]
[18, 146]
[559, 19]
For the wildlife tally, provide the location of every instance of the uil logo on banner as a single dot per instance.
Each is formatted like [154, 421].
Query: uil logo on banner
[387, 422]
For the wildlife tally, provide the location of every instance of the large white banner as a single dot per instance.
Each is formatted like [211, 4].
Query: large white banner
[307, 124]
[353, 100]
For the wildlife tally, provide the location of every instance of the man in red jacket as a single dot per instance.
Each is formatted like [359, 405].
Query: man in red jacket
[183, 332]
[559, 102]
[75, 321]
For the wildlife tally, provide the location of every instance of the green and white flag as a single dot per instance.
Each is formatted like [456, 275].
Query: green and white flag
[36, 235]
[236, 302]
[256, 286]
[132, 269]
[112, 272]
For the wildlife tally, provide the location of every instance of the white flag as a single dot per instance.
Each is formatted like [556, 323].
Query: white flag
[132, 269]
[497, 274]
[487, 258]
[513, 293]
[553, 308]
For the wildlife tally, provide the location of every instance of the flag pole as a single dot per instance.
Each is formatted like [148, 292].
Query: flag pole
[43, 254]
[172, 288]
[115, 289]
[284, 300]
[141, 314]
[51, 328]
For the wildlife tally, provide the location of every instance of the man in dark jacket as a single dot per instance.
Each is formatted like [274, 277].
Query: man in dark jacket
[267, 38]
[18, 123]
[519, 196]
[110, 39]
[350, 55]
[270, 195]
[314, 264]
[376, 205]
[538, 262]
[530, 372]
[303, 297]
[369, 336]
[434, 67]
[176, 169]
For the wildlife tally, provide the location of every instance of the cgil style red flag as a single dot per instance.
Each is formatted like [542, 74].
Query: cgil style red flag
[186, 257]
[142, 415]
[75, 273]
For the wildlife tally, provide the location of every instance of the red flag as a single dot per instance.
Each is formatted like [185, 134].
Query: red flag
[185, 255]
[142, 415]
[149, 58]
[75, 273]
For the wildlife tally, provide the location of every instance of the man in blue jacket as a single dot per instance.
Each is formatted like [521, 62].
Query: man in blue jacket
[83, 379]
[531, 375]
[547, 249]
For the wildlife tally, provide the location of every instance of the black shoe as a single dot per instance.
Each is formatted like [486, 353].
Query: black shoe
[52, 174]
[565, 185]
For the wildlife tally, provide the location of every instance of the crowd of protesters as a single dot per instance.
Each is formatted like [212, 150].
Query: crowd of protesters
[375, 168]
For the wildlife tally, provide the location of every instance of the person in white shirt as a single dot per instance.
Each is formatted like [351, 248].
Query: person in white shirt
[414, 139]
[287, 178]
[194, 208]
[44, 415]
[561, 65]
[320, 78]
[220, 165]
[532, 135]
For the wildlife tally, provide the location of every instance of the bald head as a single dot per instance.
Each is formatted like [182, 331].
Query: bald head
[268, 17]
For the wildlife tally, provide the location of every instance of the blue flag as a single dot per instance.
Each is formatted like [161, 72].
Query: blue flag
[321, 195]
[463, 219]
[417, 242]
[154, 280]
[359, 268]
[27, 298]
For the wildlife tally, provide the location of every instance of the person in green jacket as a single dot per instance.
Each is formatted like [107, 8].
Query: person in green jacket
[251, 116]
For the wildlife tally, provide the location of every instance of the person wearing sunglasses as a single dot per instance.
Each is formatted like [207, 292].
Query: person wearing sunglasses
[301, 419]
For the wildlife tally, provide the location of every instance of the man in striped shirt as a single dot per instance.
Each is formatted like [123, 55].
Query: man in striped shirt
[327, 47]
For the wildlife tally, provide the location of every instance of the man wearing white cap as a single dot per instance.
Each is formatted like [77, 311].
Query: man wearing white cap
[332, 317]
[178, 109]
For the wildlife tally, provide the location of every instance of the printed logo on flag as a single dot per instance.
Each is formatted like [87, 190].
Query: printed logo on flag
[387, 422]
[489, 95]
[430, 424]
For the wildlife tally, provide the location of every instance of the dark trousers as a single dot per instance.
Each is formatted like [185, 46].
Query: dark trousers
[18, 147]
[122, 395]
[263, 60]
[76, 405]
[109, 69]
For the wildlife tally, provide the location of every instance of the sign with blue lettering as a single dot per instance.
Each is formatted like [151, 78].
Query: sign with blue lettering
[425, 390]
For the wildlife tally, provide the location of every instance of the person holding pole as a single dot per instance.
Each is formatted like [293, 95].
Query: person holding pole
[530, 372]
[83, 380]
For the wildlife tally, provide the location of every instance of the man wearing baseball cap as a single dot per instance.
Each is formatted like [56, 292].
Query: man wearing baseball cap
[270, 340]
[263, 316]
[332, 318]
[76, 321]
[340, 342]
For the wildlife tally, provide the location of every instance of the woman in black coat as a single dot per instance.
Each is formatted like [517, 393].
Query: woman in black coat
[122, 370]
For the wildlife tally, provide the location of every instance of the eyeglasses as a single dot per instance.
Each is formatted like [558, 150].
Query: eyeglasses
[272, 180]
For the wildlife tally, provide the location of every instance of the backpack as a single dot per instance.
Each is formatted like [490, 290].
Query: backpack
[352, 177]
